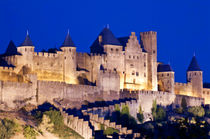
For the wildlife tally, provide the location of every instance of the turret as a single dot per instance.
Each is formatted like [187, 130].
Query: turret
[195, 76]
[149, 44]
[69, 60]
[26, 49]
[165, 78]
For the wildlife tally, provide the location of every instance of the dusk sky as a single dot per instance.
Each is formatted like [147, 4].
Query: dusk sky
[183, 26]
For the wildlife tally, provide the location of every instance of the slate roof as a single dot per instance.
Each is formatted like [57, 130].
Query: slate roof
[11, 49]
[194, 65]
[164, 68]
[108, 37]
[68, 41]
[123, 41]
[27, 41]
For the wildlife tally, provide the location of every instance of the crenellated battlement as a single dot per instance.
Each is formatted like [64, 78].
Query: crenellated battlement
[81, 54]
[183, 84]
[148, 33]
[16, 84]
[7, 69]
[45, 54]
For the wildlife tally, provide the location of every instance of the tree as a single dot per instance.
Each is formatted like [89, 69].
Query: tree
[140, 115]
[154, 109]
[184, 103]
[117, 107]
[197, 111]
[158, 113]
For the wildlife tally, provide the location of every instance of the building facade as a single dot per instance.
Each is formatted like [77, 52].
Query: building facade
[113, 64]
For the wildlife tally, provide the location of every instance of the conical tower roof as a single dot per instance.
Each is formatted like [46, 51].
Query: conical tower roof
[194, 65]
[68, 41]
[11, 49]
[108, 37]
[27, 41]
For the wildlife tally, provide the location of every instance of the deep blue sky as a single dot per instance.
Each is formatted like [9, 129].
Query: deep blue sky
[183, 26]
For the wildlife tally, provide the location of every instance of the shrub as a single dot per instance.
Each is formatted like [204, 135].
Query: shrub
[161, 114]
[110, 131]
[117, 107]
[184, 103]
[125, 110]
[55, 117]
[179, 110]
[140, 115]
[154, 109]
[29, 132]
[207, 113]
[158, 113]
[7, 128]
[196, 111]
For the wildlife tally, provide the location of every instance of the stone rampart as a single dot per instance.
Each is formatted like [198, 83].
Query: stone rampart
[14, 94]
[191, 101]
[79, 125]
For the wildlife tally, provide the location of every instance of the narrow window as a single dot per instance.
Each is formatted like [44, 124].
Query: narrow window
[137, 73]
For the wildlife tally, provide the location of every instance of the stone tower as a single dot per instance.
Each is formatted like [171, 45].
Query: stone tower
[107, 44]
[165, 78]
[69, 60]
[149, 43]
[195, 76]
[27, 50]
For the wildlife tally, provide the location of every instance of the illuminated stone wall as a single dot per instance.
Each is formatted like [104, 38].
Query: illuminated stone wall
[135, 65]
[206, 95]
[183, 89]
[166, 81]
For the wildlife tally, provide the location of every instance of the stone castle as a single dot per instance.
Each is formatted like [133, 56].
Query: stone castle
[115, 67]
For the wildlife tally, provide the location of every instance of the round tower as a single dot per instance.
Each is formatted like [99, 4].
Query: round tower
[26, 49]
[165, 78]
[195, 76]
[69, 60]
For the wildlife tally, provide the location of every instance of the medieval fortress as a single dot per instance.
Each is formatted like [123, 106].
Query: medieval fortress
[115, 68]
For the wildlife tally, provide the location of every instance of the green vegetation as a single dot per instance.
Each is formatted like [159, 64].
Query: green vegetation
[57, 123]
[29, 132]
[182, 128]
[109, 130]
[184, 103]
[207, 113]
[179, 110]
[154, 109]
[158, 113]
[117, 107]
[196, 111]
[125, 110]
[140, 115]
[8, 128]
[123, 117]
